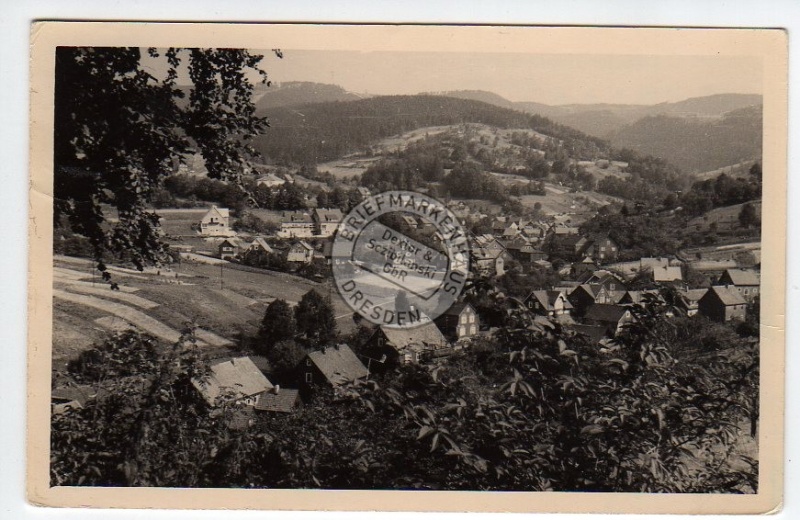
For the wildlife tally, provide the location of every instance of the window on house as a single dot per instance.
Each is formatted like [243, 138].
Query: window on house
[308, 362]
[472, 318]
[308, 377]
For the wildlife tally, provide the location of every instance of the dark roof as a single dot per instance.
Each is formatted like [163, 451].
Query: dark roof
[605, 312]
[329, 215]
[455, 309]
[571, 240]
[547, 299]
[725, 295]
[338, 364]
[283, 400]
[592, 289]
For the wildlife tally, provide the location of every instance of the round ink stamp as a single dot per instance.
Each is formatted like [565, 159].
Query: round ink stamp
[389, 277]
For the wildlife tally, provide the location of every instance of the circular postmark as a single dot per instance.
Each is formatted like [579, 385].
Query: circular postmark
[391, 278]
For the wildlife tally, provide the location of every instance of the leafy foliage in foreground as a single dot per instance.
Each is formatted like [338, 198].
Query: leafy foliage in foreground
[119, 131]
[534, 408]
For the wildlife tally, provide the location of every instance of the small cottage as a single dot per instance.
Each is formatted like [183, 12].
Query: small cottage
[722, 304]
[458, 322]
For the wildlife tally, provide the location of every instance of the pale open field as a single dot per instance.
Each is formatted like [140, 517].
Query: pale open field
[223, 303]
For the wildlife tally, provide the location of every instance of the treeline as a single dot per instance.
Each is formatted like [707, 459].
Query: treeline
[722, 191]
[322, 132]
[196, 190]
[409, 169]
[650, 178]
[468, 181]
[638, 234]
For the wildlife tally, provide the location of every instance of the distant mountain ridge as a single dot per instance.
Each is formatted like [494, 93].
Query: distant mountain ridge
[696, 134]
[697, 144]
[293, 93]
[603, 119]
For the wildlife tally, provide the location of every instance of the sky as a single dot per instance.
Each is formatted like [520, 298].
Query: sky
[549, 79]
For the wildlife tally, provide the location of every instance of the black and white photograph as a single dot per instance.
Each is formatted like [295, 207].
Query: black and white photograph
[402, 266]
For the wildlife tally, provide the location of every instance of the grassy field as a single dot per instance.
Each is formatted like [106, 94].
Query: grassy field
[225, 304]
[736, 170]
[725, 218]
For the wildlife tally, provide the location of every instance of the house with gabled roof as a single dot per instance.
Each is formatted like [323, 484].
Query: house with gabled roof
[230, 248]
[257, 251]
[688, 301]
[301, 252]
[604, 249]
[296, 225]
[667, 274]
[326, 221]
[216, 223]
[394, 346]
[236, 379]
[744, 281]
[458, 322]
[335, 366]
[721, 303]
[488, 255]
[608, 315]
[585, 295]
[608, 279]
[570, 246]
[270, 180]
[548, 303]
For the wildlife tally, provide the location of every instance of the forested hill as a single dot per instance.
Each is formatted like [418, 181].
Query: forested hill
[320, 132]
[292, 93]
[695, 144]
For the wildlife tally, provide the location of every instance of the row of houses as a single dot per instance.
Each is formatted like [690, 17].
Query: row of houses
[320, 222]
[255, 252]
[604, 301]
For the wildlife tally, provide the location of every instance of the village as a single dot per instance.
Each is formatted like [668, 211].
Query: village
[593, 297]
[550, 304]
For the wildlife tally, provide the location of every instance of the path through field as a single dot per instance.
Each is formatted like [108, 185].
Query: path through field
[138, 319]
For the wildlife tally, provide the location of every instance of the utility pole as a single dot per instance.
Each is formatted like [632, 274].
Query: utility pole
[221, 268]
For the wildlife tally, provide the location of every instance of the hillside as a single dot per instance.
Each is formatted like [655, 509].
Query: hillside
[695, 144]
[604, 119]
[225, 301]
[320, 132]
[292, 93]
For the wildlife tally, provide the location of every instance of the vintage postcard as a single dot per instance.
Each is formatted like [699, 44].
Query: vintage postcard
[407, 268]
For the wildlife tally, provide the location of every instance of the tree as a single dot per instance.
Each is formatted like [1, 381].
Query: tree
[147, 425]
[755, 171]
[120, 130]
[315, 319]
[285, 355]
[277, 325]
[748, 217]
